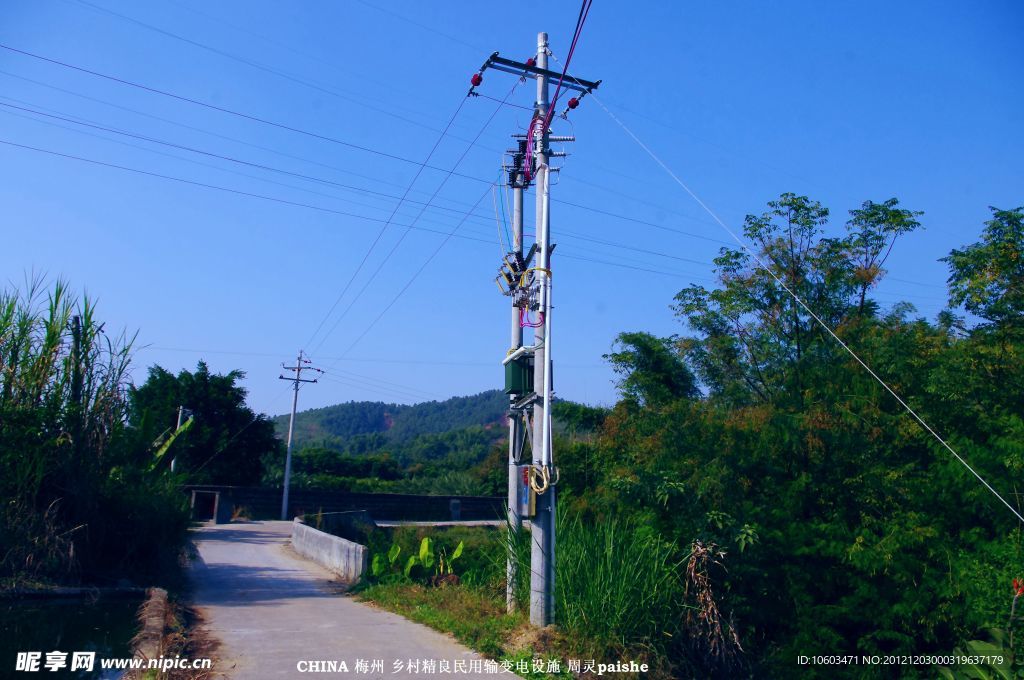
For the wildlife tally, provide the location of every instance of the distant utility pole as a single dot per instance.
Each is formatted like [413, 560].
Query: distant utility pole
[301, 364]
[528, 375]
[182, 411]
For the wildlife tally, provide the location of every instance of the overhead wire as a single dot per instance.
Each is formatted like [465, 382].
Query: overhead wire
[568, 255]
[405, 395]
[262, 67]
[407, 388]
[261, 166]
[273, 199]
[363, 359]
[256, 418]
[287, 127]
[828, 329]
[192, 161]
[380, 234]
[409, 283]
[504, 214]
[204, 131]
[330, 139]
[397, 243]
[231, 112]
[502, 248]
[239, 192]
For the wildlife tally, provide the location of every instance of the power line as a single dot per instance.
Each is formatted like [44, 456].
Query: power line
[325, 181]
[376, 240]
[349, 375]
[259, 66]
[392, 86]
[404, 234]
[273, 199]
[807, 308]
[372, 360]
[260, 166]
[221, 109]
[420, 166]
[206, 185]
[315, 135]
[256, 418]
[409, 283]
[476, 49]
[380, 389]
[617, 264]
[322, 180]
[204, 131]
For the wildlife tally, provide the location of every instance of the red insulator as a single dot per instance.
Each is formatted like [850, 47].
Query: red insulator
[573, 103]
[531, 62]
[476, 79]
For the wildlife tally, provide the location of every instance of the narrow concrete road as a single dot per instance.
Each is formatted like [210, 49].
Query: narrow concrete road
[274, 612]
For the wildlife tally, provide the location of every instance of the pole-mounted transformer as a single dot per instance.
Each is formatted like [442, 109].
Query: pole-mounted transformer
[527, 280]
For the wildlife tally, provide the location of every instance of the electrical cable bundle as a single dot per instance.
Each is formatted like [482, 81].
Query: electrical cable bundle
[528, 159]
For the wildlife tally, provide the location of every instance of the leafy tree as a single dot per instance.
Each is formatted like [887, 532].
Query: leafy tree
[987, 278]
[754, 338]
[846, 527]
[578, 418]
[874, 228]
[652, 371]
[228, 440]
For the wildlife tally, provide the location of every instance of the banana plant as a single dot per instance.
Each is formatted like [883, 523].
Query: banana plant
[425, 558]
[378, 567]
[444, 565]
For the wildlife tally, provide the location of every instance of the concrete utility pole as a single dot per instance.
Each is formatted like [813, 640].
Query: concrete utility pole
[528, 376]
[300, 366]
[542, 534]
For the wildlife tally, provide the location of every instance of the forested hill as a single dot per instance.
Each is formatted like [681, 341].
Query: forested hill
[398, 423]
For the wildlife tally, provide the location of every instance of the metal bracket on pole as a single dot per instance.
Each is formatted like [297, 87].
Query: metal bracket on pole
[525, 349]
[521, 69]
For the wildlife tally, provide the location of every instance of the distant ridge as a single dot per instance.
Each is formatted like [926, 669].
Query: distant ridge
[398, 423]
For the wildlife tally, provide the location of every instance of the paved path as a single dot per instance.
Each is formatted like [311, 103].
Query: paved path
[271, 609]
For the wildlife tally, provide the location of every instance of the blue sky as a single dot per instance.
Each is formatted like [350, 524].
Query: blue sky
[841, 101]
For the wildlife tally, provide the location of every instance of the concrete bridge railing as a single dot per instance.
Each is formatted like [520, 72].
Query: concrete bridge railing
[343, 557]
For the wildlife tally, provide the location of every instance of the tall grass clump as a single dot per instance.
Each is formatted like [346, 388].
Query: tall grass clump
[80, 498]
[617, 582]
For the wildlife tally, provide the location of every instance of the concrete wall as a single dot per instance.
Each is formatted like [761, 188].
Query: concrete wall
[345, 558]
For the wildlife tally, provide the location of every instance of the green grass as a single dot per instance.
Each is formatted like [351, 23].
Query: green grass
[475, 617]
[618, 583]
[619, 591]
[472, 615]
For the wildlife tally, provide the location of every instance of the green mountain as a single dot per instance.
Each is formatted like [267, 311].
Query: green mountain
[370, 425]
